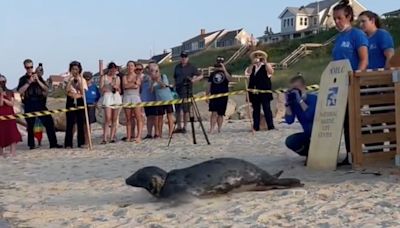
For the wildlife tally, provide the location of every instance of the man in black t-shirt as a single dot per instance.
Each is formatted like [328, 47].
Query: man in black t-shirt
[218, 82]
[33, 90]
[185, 75]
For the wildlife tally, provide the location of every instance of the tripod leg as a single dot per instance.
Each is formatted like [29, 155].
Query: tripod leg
[197, 112]
[175, 125]
[191, 115]
[170, 137]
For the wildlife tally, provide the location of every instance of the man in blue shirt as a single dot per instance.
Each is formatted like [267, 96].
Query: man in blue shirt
[300, 105]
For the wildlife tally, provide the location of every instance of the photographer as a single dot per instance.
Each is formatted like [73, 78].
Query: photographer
[302, 105]
[33, 90]
[162, 90]
[110, 87]
[185, 75]
[218, 82]
[74, 90]
[260, 73]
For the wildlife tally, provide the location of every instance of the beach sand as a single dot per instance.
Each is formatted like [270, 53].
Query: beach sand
[78, 188]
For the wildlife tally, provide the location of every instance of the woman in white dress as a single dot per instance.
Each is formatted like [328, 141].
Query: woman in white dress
[110, 89]
[131, 84]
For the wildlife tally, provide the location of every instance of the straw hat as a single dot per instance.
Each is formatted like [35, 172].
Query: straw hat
[258, 52]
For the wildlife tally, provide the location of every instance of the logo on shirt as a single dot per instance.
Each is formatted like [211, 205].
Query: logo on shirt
[372, 46]
[346, 44]
[218, 78]
[332, 95]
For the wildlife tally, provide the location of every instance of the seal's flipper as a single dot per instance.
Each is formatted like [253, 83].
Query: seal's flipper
[278, 174]
[289, 182]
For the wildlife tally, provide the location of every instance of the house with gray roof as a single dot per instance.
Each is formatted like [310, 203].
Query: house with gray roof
[162, 58]
[392, 14]
[233, 38]
[197, 43]
[297, 22]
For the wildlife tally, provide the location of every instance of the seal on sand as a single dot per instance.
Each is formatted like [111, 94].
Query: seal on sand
[212, 177]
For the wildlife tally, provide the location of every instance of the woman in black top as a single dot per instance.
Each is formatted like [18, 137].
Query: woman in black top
[260, 73]
[75, 99]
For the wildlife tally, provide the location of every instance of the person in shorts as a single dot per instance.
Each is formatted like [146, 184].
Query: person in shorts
[147, 95]
[163, 92]
[218, 82]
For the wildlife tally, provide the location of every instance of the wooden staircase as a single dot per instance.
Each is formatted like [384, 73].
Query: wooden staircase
[302, 51]
[239, 53]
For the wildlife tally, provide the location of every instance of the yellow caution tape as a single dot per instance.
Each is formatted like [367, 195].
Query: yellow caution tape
[151, 103]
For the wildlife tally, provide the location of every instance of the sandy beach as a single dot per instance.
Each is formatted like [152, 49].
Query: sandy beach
[78, 188]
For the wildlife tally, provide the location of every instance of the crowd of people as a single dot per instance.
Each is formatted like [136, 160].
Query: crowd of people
[370, 47]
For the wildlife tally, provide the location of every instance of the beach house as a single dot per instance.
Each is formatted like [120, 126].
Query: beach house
[298, 22]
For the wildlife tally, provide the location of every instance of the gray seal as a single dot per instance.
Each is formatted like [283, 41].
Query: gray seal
[212, 177]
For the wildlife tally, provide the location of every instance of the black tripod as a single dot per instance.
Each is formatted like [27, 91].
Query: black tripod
[193, 111]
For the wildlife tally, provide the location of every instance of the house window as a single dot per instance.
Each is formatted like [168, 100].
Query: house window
[284, 23]
[315, 21]
[305, 21]
[301, 21]
[291, 22]
[201, 44]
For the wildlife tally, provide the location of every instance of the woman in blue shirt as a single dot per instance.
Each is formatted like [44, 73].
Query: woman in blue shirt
[92, 95]
[163, 92]
[381, 45]
[351, 44]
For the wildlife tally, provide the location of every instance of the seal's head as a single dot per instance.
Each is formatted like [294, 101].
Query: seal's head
[151, 178]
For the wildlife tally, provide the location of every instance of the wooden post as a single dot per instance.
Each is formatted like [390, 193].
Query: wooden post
[248, 106]
[86, 111]
[396, 80]
[355, 121]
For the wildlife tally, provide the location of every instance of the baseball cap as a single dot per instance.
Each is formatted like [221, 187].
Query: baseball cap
[184, 54]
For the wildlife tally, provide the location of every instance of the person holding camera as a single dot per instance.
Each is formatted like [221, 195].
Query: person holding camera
[75, 89]
[300, 105]
[260, 73]
[33, 90]
[147, 95]
[185, 75]
[163, 92]
[110, 87]
[10, 135]
[218, 82]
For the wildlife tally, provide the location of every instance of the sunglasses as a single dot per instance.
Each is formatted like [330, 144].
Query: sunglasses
[29, 67]
[138, 69]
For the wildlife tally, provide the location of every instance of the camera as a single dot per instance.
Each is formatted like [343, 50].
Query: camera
[291, 95]
[219, 62]
[39, 70]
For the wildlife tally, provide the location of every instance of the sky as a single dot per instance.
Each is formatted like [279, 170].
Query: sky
[56, 32]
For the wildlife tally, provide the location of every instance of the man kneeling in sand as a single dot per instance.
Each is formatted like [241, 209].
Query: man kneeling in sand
[302, 105]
